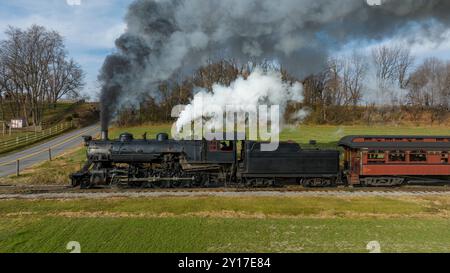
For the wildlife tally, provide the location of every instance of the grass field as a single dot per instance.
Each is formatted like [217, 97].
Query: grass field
[326, 136]
[209, 224]
[212, 224]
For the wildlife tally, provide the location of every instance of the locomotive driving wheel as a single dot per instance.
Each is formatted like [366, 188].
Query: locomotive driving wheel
[85, 184]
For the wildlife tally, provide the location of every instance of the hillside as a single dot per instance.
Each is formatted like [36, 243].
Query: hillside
[87, 113]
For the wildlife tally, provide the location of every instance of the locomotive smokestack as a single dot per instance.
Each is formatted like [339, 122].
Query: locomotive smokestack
[105, 134]
[105, 118]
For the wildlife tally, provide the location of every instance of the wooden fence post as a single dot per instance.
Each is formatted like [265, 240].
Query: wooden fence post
[18, 167]
[50, 153]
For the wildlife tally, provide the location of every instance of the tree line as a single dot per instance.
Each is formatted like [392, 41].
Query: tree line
[35, 73]
[387, 84]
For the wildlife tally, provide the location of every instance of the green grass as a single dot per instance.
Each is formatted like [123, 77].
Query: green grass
[53, 111]
[172, 235]
[326, 136]
[55, 172]
[49, 111]
[330, 135]
[275, 206]
[51, 116]
[138, 131]
[209, 224]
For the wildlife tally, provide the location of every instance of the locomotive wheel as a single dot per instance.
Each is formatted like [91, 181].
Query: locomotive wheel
[382, 181]
[75, 182]
[259, 182]
[317, 183]
[166, 185]
[77, 179]
[205, 181]
[85, 184]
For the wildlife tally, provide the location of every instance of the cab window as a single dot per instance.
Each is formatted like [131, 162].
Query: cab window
[226, 146]
[213, 146]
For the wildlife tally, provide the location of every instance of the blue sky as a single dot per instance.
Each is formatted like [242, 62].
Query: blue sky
[89, 29]
[91, 26]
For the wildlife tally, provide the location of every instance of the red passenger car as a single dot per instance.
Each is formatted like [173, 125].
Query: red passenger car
[394, 160]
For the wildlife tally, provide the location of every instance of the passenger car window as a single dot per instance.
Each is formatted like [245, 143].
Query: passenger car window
[418, 156]
[374, 155]
[444, 157]
[397, 156]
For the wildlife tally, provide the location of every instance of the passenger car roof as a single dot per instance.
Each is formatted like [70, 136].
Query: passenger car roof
[396, 142]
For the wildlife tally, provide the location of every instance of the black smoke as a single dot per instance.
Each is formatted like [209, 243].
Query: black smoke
[170, 36]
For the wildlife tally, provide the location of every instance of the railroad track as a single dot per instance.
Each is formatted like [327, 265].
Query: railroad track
[67, 192]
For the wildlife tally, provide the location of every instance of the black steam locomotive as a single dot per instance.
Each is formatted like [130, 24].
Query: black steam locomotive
[166, 163]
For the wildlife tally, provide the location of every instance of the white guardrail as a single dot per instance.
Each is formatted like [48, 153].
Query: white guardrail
[30, 138]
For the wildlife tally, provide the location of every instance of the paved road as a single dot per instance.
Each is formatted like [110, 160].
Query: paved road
[40, 153]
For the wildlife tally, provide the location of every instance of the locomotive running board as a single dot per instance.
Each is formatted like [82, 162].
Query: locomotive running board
[192, 168]
[156, 179]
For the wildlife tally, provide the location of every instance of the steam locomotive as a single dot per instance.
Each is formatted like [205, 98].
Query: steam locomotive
[167, 163]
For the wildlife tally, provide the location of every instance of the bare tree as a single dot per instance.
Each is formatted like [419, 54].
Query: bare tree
[333, 86]
[65, 78]
[11, 53]
[392, 64]
[345, 78]
[429, 84]
[404, 66]
[35, 71]
[354, 71]
[385, 60]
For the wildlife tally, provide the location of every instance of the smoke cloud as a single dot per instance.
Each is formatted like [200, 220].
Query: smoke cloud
[177, 36]
[243, 96]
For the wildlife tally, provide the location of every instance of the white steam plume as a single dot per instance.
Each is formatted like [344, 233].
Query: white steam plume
[243, 95]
